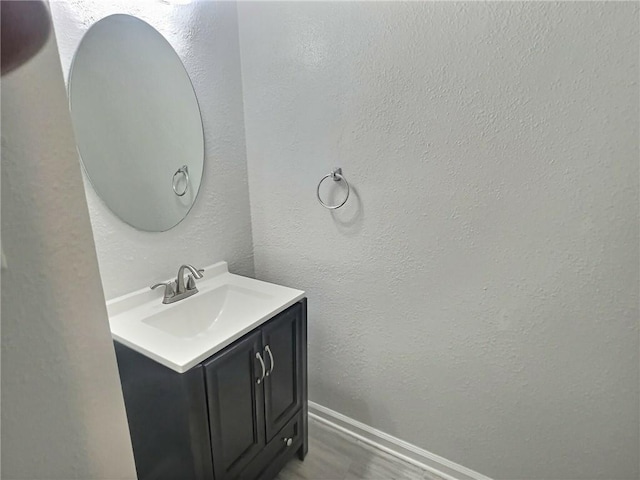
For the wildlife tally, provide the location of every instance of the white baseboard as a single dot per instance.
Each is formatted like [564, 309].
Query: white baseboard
[394, 446]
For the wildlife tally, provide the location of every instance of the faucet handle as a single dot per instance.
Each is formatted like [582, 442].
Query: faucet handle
[191, 283]
[196, 273]
[169, 291]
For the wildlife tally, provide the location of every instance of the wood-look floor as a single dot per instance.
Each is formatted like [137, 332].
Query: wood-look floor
[334, 455]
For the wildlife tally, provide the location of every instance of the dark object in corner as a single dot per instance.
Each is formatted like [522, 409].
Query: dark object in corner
[25, 28]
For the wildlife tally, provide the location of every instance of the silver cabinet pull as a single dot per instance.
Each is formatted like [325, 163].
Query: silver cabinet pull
[264, 370]
[268, 350]
[287, 441]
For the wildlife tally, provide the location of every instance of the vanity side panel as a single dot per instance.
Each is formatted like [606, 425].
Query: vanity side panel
[167, 416]
[304, 449]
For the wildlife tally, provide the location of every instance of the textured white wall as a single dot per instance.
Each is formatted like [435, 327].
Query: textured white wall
[478, 295]
[219, 225]
[63, 415]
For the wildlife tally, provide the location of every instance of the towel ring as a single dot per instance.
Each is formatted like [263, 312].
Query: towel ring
[184, 170]
[336, 176]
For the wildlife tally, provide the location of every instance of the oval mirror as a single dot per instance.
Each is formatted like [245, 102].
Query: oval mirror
[137, 122]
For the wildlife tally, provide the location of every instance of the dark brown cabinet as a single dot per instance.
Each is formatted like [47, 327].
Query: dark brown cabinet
[242, 412]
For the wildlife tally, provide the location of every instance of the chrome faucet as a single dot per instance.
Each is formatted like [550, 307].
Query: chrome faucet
[177, 290]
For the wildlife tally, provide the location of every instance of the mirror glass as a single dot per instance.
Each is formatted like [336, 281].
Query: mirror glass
[137, 122]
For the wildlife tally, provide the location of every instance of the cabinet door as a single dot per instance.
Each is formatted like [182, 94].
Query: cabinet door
[282, 341]
[236, 406]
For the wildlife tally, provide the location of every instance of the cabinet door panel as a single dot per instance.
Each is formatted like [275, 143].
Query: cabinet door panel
[283, 386]
[236, 407]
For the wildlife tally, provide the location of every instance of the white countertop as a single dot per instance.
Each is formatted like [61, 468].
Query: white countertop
[182, 334]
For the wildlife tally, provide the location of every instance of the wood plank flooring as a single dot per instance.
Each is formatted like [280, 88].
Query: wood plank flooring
[334, 455]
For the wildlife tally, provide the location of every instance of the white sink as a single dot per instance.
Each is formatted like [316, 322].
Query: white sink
[182, 334]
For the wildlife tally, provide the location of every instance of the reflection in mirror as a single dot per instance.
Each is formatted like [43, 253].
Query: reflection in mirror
[137, 122]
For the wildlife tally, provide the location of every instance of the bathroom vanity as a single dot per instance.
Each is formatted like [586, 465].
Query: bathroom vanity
[214, 371]
[240, 412]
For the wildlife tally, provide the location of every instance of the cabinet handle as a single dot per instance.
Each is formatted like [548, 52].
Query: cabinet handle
[288, 441]
[268, 350]
[264, 370]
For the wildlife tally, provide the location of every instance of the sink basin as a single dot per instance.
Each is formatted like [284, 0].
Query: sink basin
[204, 309]
[184, 333]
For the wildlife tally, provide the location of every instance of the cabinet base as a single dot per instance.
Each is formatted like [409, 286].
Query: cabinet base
[277, 452]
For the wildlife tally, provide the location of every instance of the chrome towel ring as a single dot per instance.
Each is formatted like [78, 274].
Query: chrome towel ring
[336, 176]
[184, 170]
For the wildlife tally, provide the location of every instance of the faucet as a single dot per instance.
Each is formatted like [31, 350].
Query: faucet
[177, 290]
[191, 283]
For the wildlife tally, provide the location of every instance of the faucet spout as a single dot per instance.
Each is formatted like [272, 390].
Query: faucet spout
[180, 280]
